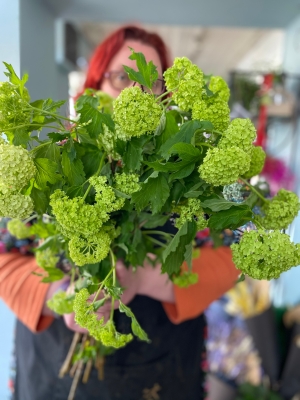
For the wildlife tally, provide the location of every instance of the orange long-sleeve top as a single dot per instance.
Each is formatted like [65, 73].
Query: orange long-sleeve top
[25, 295]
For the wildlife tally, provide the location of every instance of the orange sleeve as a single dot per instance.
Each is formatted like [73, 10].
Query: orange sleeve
[217, 274]
[23, 291]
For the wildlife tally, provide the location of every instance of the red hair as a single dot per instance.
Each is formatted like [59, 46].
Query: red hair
[113, 43]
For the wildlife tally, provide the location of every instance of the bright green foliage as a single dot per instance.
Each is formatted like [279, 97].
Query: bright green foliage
[15, 205]
[127, 183]
[75, 217]
[105, 196]
[224, 166]
[258, 157]
[61, 303]
[190, 212]
[265, 255]
[212, 109]
[136, 112]
[186, 279]
[281, 210]
[105, 102]
[18, 229]
[89, 250]
[86, 318]
[219, 86]
[46, 259]
[186, 81]
[16, 166]
[107, 139]
[12, 106]
[240, 133]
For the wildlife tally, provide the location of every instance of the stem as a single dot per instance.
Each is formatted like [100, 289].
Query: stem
[113, 262]
[39, 125]
[101, 286]
[155, 241]
[254, 190]
[204, 144]
[30, 218]
[96, 174]
[161, 233]
[53, 115]
[165, 93]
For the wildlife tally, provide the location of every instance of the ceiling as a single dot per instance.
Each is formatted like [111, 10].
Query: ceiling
[233, 13]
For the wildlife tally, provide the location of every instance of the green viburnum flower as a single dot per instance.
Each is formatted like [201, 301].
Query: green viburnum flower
[265, 255]
[257, 162]
[18, 229]
[105, 102]
[107, 139]
[89, 250]
[186, 81]
[188, 212]
[75, 216]
[223, 166]
[105, 196]
[240, 133]
[16, 167]
[127, 183]
[86, 318]
[15, 205]
[136, 113]
[214, 110]
[12, 106]
[219, 86]
[61, 303]
[46, 259]
[186, 279]
[281, 210]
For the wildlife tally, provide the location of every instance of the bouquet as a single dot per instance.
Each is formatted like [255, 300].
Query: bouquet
[103, 184]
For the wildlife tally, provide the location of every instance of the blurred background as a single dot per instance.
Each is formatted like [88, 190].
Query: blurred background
[255, 46]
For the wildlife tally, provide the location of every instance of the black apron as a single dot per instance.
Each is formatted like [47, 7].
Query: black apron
[171, 362]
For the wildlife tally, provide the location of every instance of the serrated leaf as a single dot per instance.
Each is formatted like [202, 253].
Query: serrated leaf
[72, 169]
[184, 135]
[14, 79]
[154, 192]
[47, 150]
[86, 99]
[133, 154]
[154, 221]
[135, 326]
[40, 199]
[46, 172]
[75, 191]
[218, 204]
[174, 254]
[147, 72]
[21, 137]
[95, 120]
[230, 219]
[51, 106]
[99, 303]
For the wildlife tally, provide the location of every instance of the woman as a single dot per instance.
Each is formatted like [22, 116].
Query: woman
[167, 368]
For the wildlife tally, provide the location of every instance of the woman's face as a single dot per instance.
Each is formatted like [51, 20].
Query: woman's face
[121, 58]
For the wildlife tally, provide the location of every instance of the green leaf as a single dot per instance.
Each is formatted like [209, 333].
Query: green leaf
[46, 172]
[135, 326]
[58, 137]
[154, 221]
[230, 219]
[251, 200]
[75, 191]
[72, 169]
[147, 72]
[188, 255]
[86, 99]
[14, 79]
[98, 304]
[155, 191]
[21, 137]
[91, 161]
[218, 204]
[185, 135]
[133, 154]
[54, 274]
[40, 199]
[189, 156]
[118, 193]
[174, 255]
[170, 129]
[161, 126]
[51, 106]
[47, 150]
[194, 190]
[95, 120]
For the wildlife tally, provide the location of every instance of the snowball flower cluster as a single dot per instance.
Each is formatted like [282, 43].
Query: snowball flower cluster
[224, 166]
[190, 212]
[240, 133]
[219, 86]
[265, 255]
[46, 259]
[15, 205]
[89, 249]
[135, 112]
[212, 109]
[61, 303]
[127, 183]
[257, 162]
[186, 81]
[18, 229]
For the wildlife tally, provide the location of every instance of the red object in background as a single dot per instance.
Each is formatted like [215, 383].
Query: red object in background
[262, 115]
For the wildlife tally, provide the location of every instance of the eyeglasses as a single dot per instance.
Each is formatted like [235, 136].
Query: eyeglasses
[119, 80]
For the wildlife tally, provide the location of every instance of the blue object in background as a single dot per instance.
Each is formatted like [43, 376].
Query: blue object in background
[7, 322]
